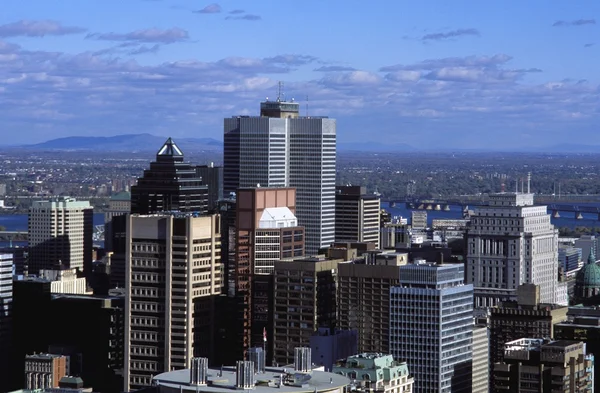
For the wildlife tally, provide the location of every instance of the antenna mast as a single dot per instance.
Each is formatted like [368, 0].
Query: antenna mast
[306, 106]
[279, 91]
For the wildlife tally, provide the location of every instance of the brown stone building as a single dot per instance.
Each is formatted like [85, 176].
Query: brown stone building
[44, 371]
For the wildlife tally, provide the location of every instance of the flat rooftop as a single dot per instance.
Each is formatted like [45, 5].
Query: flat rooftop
[316, 381]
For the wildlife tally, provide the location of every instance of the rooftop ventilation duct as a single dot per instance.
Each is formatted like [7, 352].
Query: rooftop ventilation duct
[199, 371]
[244, 378]
[302, 359]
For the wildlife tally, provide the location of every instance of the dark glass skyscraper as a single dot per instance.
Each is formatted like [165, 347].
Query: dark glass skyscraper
[171, 184]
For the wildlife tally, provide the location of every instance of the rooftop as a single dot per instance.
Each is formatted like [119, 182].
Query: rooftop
[315, 381]
[170, 149]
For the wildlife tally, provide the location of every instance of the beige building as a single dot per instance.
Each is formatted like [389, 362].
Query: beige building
[481, 359]
[44, 371]
[60, 234]
[118, 205]
[364, 298]
[544, 366]
[173, 274]
[305, 293]
[527, 317]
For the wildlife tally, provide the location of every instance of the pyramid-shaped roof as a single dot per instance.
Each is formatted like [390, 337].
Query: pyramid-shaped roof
[169, 149]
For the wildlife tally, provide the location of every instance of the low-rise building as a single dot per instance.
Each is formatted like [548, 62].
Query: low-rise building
[44, 370]
[375, 372]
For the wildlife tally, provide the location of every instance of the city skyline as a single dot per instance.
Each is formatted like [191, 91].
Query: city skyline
[480, 72]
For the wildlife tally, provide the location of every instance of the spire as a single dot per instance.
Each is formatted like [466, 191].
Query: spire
[169, 149]
[592, 257]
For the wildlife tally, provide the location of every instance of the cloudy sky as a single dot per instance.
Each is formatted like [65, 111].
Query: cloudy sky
[471, 74]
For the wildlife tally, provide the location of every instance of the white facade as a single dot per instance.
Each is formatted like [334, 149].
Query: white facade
[295, 152]
[481, 359]
[431, 326]
[57, 233]
[511, 242]
[65, 281]
[6, 285]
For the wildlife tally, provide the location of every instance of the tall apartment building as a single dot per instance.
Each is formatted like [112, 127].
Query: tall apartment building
[481, 359]
[305, 299]
[173, 276]
[418, 220]
[212, 177]
[281, 149]
[364, 300]
[376, 372]
[44, 370]
[6, 338]
[538, 365]
[171, 184]
[60, 234]
[118, 205]
[356, 215]
[569, 259]
[431, 326]
[512, 242]
[526, 317]
[267, 231]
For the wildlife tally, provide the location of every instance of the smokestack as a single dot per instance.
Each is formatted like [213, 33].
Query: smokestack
[244, 376]
[302, 359]
[522, 185]
[199, 371]
[529, 182]
[441, 258]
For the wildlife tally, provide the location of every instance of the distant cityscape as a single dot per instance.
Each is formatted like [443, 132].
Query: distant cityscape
[271, 271]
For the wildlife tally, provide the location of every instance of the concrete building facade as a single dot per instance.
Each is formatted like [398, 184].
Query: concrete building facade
[44, 371]
[282, 149]
[60, 234]
[356, 215]
[512, 242]
[173, 276]
[481, 359]
[305, 299]
[431, 326]
[329, 345]
[6, 325]
[376, 372]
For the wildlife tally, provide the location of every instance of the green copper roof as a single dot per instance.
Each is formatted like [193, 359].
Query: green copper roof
[121, 196]
[589, 275]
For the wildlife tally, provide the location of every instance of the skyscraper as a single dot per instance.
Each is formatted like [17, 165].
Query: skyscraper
[356, 215]
[60, 234]
[171, 184]
[281, 149]
[6, 281]
[512, 242]
[173, 275]
[431, 326]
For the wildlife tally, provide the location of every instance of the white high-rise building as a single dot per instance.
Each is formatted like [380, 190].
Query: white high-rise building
[282, 149]
[512, 242]
[60, 234]
[431, 326]
[6, 286]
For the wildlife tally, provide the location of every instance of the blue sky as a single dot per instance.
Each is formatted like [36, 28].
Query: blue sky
[471, 74]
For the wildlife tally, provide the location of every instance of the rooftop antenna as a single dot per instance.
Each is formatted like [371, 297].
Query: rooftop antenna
[279, 91]
[522, 185]
[307, 106]
[528, 182]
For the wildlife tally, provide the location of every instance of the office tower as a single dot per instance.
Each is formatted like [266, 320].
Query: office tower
[31, 305]
[544, 366]
[356, 215]
[481, 359]
[526, 317]
[64, 281]
[267, 231]
[282, 149]
[376, 371]
[364, 300]
[118, 205]
[512, 242]
[173, 275]
[60, 234]
[305, 299]
[395, 233]
[6, 338]
[212, 176]
[569, 259]
[90, 330]
[43, 371]
[418, 220]
[171, 184]
[431, 326]
[330, 345]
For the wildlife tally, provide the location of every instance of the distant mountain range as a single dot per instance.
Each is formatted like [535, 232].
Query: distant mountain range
[124, 143]
[151, 143]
